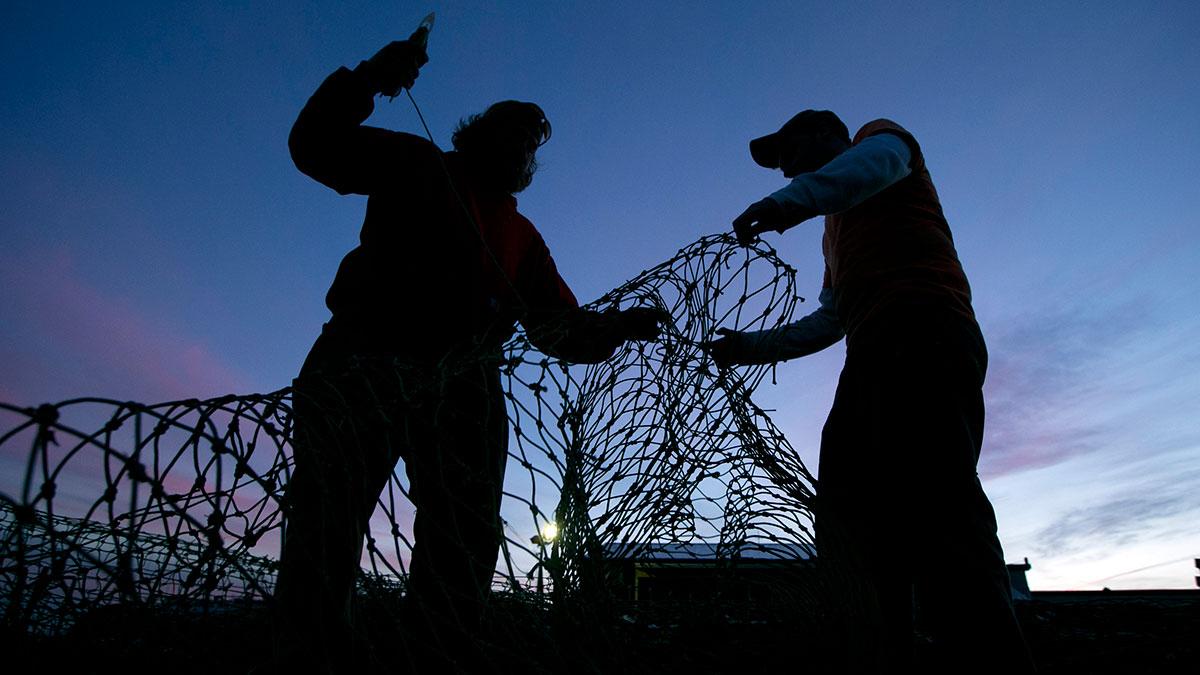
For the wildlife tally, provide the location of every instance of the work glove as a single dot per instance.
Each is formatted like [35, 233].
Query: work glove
[396, 66]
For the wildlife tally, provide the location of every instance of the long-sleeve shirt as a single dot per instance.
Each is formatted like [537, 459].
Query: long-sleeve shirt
[849, 179]
[886, 243]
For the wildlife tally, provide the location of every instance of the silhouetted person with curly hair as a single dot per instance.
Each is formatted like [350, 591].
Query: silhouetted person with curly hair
[408, 366]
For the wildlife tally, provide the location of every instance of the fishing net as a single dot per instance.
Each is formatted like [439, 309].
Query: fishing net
[646, 502]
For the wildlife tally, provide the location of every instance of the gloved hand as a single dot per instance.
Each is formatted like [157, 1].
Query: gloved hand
[396, 66]
[762, 215]
[723, 350]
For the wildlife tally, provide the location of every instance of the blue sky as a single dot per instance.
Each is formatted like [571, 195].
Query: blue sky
[156, 241]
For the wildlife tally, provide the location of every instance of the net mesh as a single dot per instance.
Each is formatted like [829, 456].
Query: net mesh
[637, 490]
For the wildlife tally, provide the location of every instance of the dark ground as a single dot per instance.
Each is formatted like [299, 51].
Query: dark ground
[1077, 634]
[1115, 632]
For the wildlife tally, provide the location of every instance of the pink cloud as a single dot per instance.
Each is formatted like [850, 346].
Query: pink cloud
[8, 395]
[1014, 451]
[1052, 369]
[97, 343]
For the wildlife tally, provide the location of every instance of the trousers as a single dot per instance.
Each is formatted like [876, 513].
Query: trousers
[901, 514]
[355, 417]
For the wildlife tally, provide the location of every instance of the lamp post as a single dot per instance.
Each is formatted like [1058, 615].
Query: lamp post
[545, 537]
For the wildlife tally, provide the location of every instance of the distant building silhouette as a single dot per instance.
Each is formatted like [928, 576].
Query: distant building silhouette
[678, 572]
[1017, 580]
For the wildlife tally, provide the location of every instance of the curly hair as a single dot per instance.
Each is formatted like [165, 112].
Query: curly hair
[500, 143]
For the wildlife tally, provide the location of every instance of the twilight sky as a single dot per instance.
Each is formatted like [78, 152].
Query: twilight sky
[157, 243]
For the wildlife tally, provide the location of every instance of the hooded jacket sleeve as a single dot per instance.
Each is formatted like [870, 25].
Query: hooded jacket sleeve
[553, 320]
[330, 143]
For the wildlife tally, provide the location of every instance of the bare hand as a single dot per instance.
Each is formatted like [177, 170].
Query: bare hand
[722, 349]
[642, 323]
[762, 215]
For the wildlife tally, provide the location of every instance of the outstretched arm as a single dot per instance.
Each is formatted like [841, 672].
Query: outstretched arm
[806, 336]
[559, 327]
[587, 336]
[329, 141]
[848, 180]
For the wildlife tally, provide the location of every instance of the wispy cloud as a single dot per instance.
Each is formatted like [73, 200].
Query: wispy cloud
[1062, 377]
[1120, 521]
[1092, 442]
[1107, 515]
[78, 339]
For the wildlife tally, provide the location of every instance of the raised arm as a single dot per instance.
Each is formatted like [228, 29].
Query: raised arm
[329, 141]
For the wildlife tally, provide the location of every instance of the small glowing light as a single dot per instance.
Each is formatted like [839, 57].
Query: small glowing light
[549, 531]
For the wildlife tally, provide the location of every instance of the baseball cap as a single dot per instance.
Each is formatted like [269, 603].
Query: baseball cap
[765, 149]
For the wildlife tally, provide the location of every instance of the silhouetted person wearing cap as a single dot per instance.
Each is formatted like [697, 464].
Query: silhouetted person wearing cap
[409, 364]
[900, 507]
